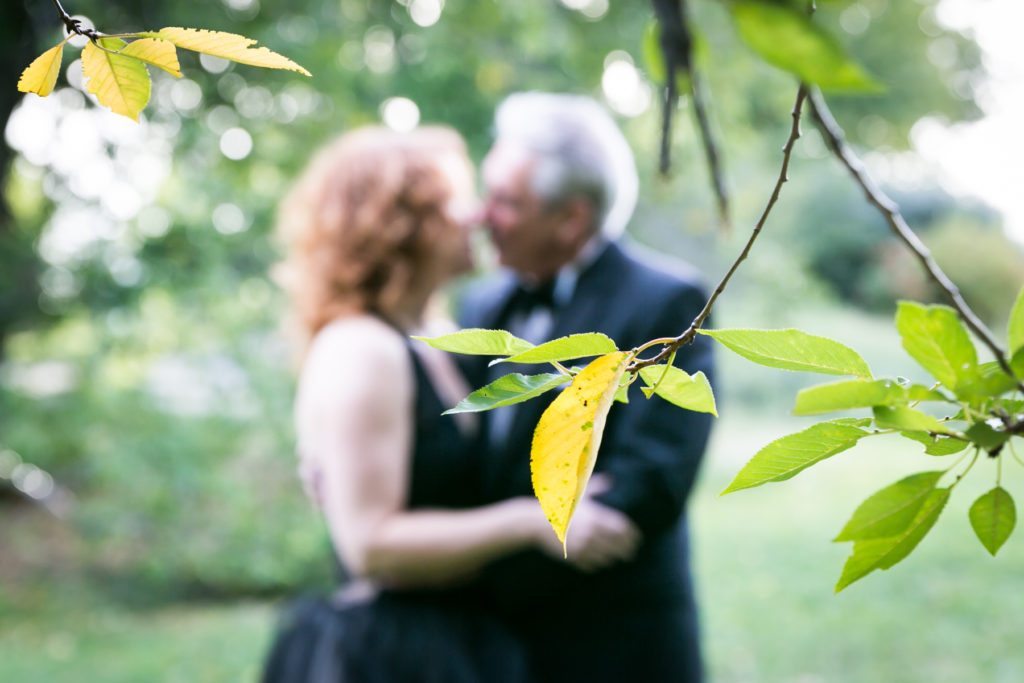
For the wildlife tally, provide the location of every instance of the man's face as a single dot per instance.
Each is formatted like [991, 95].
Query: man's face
[523, 228]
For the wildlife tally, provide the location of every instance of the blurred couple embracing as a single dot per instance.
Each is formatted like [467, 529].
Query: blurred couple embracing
[451, 572]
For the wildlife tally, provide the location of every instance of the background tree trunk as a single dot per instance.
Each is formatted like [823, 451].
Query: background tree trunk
[19, 264]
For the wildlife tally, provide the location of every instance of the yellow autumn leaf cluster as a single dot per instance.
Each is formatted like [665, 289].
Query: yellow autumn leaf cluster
[115, 69]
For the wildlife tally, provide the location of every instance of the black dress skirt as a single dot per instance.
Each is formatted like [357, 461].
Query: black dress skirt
[416, 636]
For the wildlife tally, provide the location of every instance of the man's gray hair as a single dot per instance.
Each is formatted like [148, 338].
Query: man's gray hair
[579, 150]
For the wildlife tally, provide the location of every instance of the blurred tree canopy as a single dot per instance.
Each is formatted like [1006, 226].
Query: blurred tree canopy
[144, 367]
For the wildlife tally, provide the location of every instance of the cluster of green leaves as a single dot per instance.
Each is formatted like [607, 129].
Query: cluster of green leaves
[783, 34]
[568, 435]
[977, 410]
[116, 71]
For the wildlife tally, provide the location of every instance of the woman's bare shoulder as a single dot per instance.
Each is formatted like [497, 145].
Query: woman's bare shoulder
[358, 352]
[355, 337]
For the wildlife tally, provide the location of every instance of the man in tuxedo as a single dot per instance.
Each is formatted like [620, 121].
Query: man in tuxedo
[561, 185]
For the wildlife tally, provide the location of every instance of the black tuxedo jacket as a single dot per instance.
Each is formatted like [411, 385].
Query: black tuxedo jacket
[651, 450]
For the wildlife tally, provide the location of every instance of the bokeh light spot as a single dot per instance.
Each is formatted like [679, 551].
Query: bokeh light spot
[400, 113]
[236, 143]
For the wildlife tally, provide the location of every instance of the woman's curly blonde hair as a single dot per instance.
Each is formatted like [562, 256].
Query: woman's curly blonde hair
[363, 221]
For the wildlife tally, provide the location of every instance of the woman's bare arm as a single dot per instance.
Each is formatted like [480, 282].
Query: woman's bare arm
[354, 416]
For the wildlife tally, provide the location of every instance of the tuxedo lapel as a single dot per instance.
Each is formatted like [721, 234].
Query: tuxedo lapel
[495, 305]
[587, 311]
[591, 303]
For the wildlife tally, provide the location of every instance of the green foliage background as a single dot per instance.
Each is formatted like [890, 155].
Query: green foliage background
[146, 370]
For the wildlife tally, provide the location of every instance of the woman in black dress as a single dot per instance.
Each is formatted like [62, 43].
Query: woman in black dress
[375, 225]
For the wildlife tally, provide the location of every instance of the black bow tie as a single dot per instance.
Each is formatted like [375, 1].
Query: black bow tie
[526, 298]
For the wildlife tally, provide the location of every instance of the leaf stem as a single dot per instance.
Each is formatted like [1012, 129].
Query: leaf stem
[691, 332]
[971, 412]
[664, 373]
[654, 342]
[931, 388]
[561, 368]
[1013, 452]
[836, 141]
[963, 474]
[958, 461]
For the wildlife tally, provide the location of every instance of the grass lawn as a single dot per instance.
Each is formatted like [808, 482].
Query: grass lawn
[64, 632]
[765, 567]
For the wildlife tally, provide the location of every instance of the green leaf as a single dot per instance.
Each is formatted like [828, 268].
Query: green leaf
[937, 445]
[507, 390]
[786, 37]
[993, 517]
[989, 380]
[990, 440]
[650, 49]
[847, 394]
[680, 389]
[890, 511]
[564, 348]
[792, 350]
[478, 342]
[786, 457]
[917, 393]
[853, 421]
[1015, 327]
[908, 419]
[935, 338]
[654, 60]
[1013, 406]
[884, 553]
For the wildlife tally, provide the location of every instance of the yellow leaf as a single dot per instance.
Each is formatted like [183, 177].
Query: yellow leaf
[119, 82]
[41, 75]
[160, 53]
[226, 46]
[568, 436]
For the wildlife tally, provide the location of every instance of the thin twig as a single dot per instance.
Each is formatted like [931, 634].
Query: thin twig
[836, 141]
[676, 43]
[710, 148]
[668, 107]
[74, 25]
[691, 332]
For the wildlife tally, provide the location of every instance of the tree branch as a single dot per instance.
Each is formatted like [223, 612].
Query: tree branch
[691, 332]
[836, 141]
[676, 43]
[74, 25]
